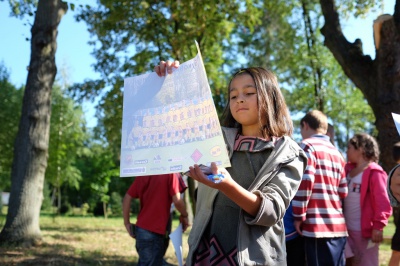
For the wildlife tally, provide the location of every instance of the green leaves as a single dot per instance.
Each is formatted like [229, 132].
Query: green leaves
[290, 43]
[130, 37]
[10, 112]
[67, 139]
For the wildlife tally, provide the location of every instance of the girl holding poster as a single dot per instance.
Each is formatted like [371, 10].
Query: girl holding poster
[239, 219]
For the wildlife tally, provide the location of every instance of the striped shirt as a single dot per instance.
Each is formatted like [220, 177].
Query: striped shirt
[318, 201]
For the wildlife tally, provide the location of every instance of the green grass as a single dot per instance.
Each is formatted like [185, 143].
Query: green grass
[390, 228]
[70, 240]
[385, 250]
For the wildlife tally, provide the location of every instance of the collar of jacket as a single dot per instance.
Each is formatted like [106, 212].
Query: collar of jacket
[283, 152]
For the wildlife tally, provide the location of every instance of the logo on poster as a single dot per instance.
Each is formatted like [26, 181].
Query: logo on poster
[141, 161]
[215, 151]
[175, 167]
[136, 170]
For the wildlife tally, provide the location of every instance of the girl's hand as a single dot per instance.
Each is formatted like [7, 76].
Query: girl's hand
[377, 236]
[197, 174]
[250, 202]
[165, 67]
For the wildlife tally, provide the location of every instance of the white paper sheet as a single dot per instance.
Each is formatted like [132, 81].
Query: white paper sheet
[370, 244]
[170, 123]
[176, 238]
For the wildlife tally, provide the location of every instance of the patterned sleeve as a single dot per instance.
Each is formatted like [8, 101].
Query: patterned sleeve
[343, 189]
[302, 197]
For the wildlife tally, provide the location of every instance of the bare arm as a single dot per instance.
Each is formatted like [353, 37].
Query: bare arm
[126, 209]
[181, 207]
[245, 199]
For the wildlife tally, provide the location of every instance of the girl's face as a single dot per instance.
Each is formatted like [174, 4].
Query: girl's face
[243, 104]
[353, 155]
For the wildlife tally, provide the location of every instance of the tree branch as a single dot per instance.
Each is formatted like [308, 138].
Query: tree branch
[357, 66]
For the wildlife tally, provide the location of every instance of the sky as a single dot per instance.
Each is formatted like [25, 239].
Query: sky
[74, 53]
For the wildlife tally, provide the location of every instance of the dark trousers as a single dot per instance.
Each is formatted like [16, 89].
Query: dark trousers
[295, 252]
[325, 251]
[396, 237]
[150, 247]
[169, 227]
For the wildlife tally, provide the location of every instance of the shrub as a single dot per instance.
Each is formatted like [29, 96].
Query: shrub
[116, 203]
[98, 209]
[65, 208]
[1, 203]
[84, 209]
[46, 203]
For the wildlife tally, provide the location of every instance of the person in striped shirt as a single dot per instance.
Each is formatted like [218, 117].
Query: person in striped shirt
[317, 205]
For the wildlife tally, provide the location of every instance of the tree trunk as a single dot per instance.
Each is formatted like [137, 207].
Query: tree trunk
[387, 93]
[58, 199]
[105, 210]
[378, 79]
[31, 144]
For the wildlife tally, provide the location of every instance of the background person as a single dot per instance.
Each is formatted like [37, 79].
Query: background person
[294, 241]
[155, 193]
[366, 208]
[317, 206]
[395, 245]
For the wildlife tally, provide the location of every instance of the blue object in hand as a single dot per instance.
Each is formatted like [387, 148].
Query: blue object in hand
[216, 178]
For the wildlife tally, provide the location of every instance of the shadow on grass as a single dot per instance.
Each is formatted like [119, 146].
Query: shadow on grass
[57, 255]
[74, 229]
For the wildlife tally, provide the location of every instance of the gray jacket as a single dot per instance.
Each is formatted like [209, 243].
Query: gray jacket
[261, 239]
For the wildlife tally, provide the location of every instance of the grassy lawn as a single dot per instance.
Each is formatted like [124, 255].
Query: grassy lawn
[81, 241]
[384, 249]
[69, 240]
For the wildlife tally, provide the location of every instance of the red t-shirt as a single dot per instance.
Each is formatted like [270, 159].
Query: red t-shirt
[155, 193]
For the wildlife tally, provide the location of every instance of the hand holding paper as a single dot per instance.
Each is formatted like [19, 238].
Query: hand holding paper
[170, 121]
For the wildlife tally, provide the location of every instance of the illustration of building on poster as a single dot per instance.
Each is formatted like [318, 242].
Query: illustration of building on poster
[170, 123]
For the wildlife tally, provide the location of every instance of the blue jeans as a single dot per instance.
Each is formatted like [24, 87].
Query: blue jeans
[150, 247]
[325, 251]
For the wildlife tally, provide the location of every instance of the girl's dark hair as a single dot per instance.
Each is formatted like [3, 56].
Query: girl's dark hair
[271, 104]
[368, 144]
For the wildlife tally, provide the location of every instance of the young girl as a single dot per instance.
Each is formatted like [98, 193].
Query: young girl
[239, 220]
[366, 207]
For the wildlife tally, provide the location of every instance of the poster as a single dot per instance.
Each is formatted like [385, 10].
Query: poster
[170, 123]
